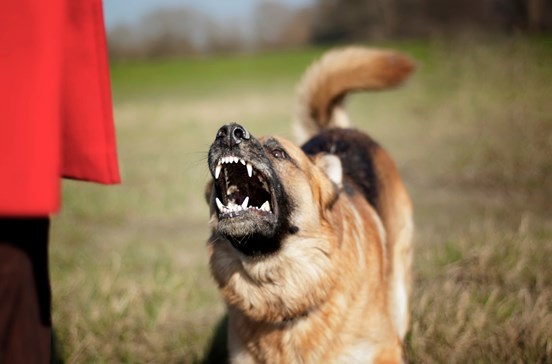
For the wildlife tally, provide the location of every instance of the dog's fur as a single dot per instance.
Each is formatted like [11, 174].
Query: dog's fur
[323, 277]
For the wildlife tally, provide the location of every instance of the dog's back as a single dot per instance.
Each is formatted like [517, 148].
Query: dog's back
[367, 168]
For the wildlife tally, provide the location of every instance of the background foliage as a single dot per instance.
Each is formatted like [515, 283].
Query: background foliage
[471, 133]
[179, 31]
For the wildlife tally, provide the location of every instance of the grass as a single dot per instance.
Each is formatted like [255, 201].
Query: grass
[200, 77]
[471, 133]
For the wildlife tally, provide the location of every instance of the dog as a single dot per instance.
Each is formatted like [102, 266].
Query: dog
[311, 246]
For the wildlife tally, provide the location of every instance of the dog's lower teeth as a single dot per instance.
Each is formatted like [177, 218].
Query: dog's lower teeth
[219, 204]
[233, 207]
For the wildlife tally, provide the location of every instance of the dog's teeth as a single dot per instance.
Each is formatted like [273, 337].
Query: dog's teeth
[219, 205]
[245, 202]
[236, 159]
[217, 171]
[242, 162]
[249, 169]
[265, 206]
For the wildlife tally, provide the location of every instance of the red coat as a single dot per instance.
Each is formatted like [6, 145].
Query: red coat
[55, 102]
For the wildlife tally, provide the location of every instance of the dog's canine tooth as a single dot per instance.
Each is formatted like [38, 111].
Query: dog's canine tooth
[249, 169]
[265, 206]
[245, 202]
[217, 170]
[219, 205]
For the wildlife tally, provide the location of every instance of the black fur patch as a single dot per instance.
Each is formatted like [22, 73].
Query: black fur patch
[356, 152]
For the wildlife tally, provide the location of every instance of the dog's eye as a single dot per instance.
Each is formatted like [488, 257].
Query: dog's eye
[278, 153]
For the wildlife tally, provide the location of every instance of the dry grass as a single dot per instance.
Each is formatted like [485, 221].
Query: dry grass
[486, 298]
[474, 141]
[472, 134]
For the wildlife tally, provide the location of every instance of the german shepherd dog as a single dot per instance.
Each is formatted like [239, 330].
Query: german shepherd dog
[311, 245]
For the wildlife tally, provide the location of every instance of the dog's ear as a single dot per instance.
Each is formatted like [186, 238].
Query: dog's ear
[331, 166]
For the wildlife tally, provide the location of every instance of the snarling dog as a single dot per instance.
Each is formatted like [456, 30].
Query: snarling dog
[311, 246]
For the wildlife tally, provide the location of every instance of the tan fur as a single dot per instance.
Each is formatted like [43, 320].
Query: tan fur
[322, 89]
[335, 292]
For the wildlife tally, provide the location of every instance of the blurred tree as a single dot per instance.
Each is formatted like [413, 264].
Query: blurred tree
[171, 32]
[360, 20]
[279, 26]
[175, 32]
[354, 20]
[123, 43]
[222, 38]
[535, 14]
[526, 15]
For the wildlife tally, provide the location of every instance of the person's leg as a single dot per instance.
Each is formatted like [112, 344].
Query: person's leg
[25, 318]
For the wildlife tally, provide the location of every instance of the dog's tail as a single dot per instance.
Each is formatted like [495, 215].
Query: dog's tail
[322, 90]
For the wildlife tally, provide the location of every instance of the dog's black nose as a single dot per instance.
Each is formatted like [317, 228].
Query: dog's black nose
[233, 134]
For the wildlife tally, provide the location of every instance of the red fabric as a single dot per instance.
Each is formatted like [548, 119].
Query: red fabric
[55, 102]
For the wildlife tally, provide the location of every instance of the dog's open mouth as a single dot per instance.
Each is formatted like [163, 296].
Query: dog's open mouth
[241, 189]
[249, 206]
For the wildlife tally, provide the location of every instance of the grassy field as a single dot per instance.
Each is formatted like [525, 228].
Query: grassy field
[471, 133]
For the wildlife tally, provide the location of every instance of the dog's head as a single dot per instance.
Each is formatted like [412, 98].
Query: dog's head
[264, 190]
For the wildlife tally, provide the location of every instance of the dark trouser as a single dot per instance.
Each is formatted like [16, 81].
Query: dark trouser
[25, 298]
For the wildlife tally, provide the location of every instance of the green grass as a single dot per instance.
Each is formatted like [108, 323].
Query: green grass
[471, 133]
[201, 77]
